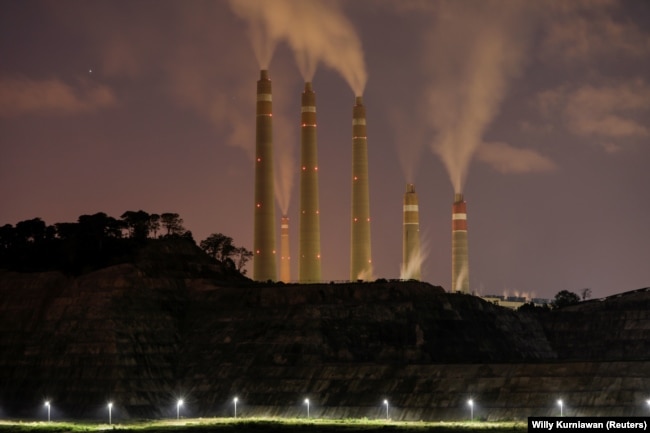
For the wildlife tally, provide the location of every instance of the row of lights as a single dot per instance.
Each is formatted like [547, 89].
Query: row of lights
[179, 403]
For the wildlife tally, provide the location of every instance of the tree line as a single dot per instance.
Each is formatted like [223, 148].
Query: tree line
[99, 240]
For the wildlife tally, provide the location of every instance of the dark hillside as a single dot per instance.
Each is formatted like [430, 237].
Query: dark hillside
[176, 323]
[611, 329]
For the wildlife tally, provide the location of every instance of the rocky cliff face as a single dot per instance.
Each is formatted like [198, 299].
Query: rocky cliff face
[172, 324]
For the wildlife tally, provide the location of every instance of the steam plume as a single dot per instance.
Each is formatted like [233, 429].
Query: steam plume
[316, 30]
[471, 75]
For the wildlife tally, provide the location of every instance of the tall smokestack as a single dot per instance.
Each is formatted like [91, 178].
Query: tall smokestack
[285, 256]
[360, 259]
[459, 252]
[310, 264]
[411, 255]
[264, 266]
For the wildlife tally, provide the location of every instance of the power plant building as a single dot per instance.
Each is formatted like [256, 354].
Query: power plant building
[459, 250]
[411, 254]
[309, 240]
[360, 257]
[264, 261]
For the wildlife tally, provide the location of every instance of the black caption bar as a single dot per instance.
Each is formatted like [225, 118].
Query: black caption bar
[588, 423]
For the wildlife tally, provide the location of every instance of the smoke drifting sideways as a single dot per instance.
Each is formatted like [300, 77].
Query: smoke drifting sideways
[470, 77]
[316, 30]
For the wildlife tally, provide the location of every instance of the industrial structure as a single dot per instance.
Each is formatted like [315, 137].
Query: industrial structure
[360, 257]
[411, 254]
[285, 254]
[309, 242]
[309, 239]
[459, 251]
[264, 262]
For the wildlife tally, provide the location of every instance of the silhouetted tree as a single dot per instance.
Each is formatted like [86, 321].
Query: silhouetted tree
[31, 231]
[7, 237]
[218, 246]
[585, 293]
[154, 224]
[138, 223]
[242, 256]
[565, 298]
[173, 223]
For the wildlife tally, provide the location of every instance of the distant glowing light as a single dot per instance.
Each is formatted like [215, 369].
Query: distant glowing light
[307, 403]
[259, 159]
[470, 402]
[110, 409]
[47, 404]
[235, 400]
[386, 403]
[561, 404]
[179, 403]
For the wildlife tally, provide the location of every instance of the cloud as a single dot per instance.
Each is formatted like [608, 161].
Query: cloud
[22, 96]
[507, 159]
[606, 111]
[589, 30]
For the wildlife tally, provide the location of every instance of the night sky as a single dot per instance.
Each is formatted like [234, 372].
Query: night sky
[537, 111]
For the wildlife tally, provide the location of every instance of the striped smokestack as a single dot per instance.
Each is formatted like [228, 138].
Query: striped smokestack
[360, 259]
[285, 256]
[411, 255]
[310, 264]
[459, 252]
[264, 266]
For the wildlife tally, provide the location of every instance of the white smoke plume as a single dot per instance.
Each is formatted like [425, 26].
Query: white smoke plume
[506, 159]
[316, 30]
[475, 49]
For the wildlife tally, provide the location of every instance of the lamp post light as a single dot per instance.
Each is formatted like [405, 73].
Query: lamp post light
[386, 403]
[470, 402]
[648, 402]
[307, 403]
[178, 408]
[47, 404]
[561, 404]
[235, 400]
[110, 409]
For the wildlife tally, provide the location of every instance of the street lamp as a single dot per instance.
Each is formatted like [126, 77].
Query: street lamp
[110, 407]
[386, 403]
[470, 402]
[235, 400]
[561, 404]
[47, 404]
[307, 403]
[178, 408]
